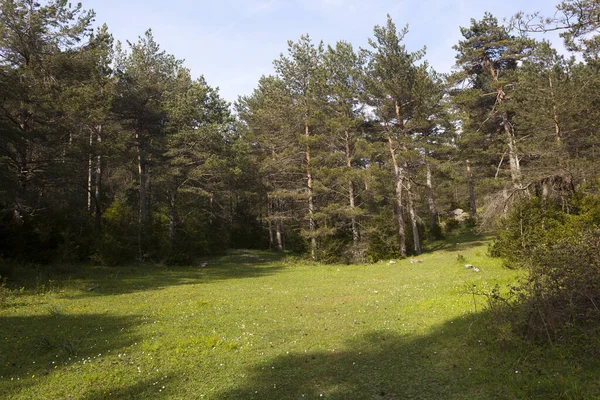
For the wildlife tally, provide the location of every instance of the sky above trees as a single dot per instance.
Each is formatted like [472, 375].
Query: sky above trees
[233, 42]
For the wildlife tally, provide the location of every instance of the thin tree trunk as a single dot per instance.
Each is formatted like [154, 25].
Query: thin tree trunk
[279, 234]
[555, 120]
[148, 194]
[513, 158]
[142, 169]
[554, 111]
[413, 215]
[405, 176]
[311, 205]
[399, 206]
[270, 223]
[430, 198]
[355, 233]
[471, 191]
[99, 182]
[90, 171]
[211, 215]
[173, 212]
[23, 168]
[402, 176]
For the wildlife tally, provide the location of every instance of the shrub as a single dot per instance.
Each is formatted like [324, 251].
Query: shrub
[561, 252]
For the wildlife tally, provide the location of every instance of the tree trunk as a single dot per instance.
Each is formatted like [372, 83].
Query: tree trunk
[142, 170]
[430, 198]
[471, 191]
[99, 182]
[90, 171]
[279, 234]
[311, 205]
[399, 206]
[173, 212]
[22, 176]
[555, 120]
[401, 176]
[413, 215]
[355, 233]
[22, 153]
[143, 211]
[270, 223]
[513, 158]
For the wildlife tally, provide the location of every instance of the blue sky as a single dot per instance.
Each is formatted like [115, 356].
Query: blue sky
[233, 42]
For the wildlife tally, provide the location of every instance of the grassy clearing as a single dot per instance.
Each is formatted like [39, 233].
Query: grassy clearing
[252, 326]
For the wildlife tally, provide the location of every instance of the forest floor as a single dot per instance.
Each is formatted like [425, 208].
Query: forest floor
[252, 325]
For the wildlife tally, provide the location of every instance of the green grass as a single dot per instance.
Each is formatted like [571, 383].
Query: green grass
[252, 326]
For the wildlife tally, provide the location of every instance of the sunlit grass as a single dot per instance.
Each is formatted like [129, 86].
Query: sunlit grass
[252, 326]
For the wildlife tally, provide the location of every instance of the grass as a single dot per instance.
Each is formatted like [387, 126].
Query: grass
[253, 326]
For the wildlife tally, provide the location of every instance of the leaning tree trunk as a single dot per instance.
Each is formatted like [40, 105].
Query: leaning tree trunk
[513, 157]
[399, 206]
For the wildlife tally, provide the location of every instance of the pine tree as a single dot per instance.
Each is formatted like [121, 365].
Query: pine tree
[145, 75]
[392, 72]
[301, 71]
[486, 60]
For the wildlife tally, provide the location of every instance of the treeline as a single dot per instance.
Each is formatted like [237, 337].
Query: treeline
[114, 153]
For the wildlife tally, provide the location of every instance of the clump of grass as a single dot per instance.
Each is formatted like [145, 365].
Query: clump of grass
[71, 346]
[5, 293]
[55, 310]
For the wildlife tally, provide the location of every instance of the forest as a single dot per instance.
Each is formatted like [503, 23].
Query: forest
[111, 153]
[332, 234]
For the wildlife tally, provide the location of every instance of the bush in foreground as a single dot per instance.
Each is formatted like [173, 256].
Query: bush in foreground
[560, 247]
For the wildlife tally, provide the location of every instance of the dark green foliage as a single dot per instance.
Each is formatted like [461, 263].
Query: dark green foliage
[560, 297]
[118, 242]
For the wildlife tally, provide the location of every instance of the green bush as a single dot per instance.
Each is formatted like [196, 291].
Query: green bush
[561, 252]
[119, 239]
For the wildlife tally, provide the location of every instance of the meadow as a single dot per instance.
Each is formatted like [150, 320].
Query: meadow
[255, 325]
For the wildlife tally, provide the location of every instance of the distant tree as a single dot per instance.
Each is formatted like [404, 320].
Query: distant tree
[301, 71]
[486, 61]
[146, 74]
[270, 118]
[391, 86]
[38, 44]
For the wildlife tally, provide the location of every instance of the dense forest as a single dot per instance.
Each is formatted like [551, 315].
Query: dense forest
[113, 153]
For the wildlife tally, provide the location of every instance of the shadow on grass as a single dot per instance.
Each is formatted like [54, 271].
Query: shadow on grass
[38, 346]
[102, 281]
[456, 361]
[148, 388]
[461, 240]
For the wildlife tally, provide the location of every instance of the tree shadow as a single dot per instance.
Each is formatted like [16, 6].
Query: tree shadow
[148, 388]
[108, 281]
[455, 361]
[460, 241]
[37, 346]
